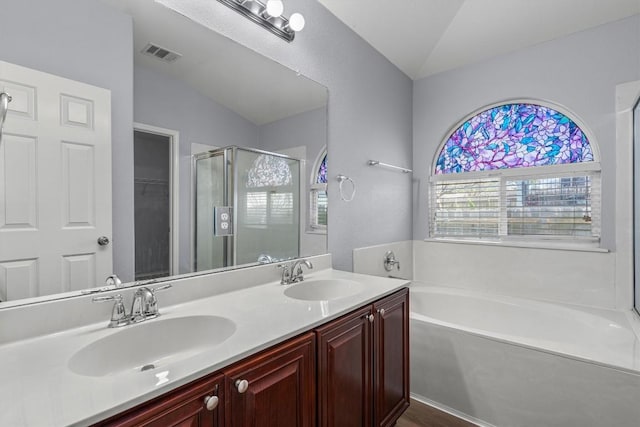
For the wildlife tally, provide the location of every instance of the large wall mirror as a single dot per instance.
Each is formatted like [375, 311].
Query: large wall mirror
[140, 143]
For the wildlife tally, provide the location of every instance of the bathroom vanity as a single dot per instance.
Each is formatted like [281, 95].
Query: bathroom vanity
[350, 371]
[235, 348]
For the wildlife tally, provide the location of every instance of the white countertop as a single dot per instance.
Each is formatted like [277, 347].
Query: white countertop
[39, 389]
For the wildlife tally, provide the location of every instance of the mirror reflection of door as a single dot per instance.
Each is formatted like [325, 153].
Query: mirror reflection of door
[55, 185]
[152, 205]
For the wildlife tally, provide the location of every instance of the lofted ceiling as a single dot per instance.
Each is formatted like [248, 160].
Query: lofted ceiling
[425, 37]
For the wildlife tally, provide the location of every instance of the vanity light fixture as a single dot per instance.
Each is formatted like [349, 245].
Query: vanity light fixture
[269, 16]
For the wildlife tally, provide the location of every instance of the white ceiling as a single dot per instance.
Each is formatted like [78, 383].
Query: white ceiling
[257, 88]
[424, 37]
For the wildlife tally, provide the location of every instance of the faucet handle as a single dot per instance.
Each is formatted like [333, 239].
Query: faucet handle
[118, 313]
[286, 274]
[117, 298]
[161, 288]
[390, 260]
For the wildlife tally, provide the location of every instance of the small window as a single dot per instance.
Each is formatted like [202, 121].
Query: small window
[516, 171]
[318, 202]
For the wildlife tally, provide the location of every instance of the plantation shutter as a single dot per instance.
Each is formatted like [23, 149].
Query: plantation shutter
[548, 202]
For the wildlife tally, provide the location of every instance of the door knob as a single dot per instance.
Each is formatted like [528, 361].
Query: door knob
[211, 402]
[103, 240]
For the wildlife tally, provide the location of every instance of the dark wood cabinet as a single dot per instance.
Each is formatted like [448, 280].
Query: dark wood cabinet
[391, 358]
[280, 388]
[344, 371]
[363, 365]
[184, 407]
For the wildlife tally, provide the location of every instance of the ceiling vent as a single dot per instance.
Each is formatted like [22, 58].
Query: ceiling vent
[160, 52]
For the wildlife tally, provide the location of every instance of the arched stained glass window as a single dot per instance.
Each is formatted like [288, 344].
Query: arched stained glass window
[517, 170]
[269, 171]
[321, 176]
[514, 136]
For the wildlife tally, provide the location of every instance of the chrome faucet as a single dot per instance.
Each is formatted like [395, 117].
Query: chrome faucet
[293, 273]
[113, 280]
[265, 259]
[145, 303]
[118, 313]
[143, 307]
[390, 261]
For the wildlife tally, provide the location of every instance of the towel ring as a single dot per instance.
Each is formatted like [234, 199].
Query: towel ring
[342, 179]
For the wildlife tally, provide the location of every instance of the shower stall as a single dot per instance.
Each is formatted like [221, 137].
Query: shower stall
[246, 207]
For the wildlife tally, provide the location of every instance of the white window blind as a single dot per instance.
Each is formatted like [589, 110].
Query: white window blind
[269, 208]
[560, 202]
[256, 212]
[318, 208]
[281, 208]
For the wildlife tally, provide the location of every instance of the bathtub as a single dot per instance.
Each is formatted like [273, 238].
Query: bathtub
[504, 361]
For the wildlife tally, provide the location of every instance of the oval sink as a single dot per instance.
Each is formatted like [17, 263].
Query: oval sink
[323, 290]
[151, 344]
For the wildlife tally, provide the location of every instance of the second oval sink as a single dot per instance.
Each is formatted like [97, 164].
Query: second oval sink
[323, 290]
[151, 344]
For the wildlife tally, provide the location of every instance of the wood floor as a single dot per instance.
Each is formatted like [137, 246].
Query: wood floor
[420, 415]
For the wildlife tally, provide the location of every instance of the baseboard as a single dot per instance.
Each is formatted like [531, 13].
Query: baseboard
[451, 411]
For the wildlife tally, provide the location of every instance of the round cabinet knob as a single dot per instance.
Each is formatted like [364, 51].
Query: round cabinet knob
[103, 240]
[370, 318]
[211, 402]
[242, 385]
[381, 311]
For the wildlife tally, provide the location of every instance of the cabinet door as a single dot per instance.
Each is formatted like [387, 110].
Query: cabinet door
[344, 371]
[280, 388]
[391, 358]
[184, 407]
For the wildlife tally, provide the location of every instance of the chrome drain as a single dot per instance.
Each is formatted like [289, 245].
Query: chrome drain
[147, 367]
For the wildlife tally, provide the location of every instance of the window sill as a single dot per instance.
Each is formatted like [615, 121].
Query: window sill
[316, 231]
[558, 246]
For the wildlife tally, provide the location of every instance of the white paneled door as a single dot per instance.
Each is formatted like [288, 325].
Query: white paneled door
[55, 185]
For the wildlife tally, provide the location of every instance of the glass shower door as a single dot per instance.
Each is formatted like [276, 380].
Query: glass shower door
[210, 191]
[268, 206]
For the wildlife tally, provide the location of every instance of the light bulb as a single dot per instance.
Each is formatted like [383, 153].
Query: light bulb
[274, 8]
[296, 22]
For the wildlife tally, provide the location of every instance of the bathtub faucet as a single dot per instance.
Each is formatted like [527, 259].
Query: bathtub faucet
[390, 260]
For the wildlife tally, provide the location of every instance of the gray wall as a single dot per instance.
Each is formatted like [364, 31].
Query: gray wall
[199, 119]
[579, 72]
[369, 118]
[308, 129]
[86, 41]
